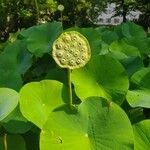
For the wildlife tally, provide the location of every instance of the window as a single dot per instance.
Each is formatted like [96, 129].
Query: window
[116, 20]
[108, 20]
[101, 20]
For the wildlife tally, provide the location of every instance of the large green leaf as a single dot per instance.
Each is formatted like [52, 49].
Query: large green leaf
[41, 67]
[128, 55]
[138, 98]
[58, 74]
[130, 30]
[142, 135]
[103, 76]
[140, 94]
[142, 78]
[40, 38]
[14, 61]
[109, 36]
[95, 125]
[132, 64]
[143, 44]
[121, 50]
[14, 142]
[8, 101]
[38, 99]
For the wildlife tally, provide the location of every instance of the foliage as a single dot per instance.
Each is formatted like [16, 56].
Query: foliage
[110, 94]
[23, 14]
[123, 7]
[81, 13]
[14, 17]
[144, 7]
[26, 13]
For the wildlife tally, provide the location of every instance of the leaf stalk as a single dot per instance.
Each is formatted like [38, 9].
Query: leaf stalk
[5, 142]
[70, 88]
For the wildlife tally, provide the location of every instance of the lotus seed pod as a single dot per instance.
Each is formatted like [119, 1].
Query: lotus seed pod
[71, 50]
[60, 8]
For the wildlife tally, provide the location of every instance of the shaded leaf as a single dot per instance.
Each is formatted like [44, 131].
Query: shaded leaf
[132, 64]
[15, 123]
[14, 61]
[58, 74]
[121, 50]
[40, 38]
[14, 142]
[131, 29]
[109, 36]
[140, 94]
[142, 78]
[142, 44]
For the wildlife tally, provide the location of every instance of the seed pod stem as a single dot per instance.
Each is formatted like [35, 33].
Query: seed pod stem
[5, 142]
[70, 88]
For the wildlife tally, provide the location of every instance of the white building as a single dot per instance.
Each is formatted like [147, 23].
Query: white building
[107, 17]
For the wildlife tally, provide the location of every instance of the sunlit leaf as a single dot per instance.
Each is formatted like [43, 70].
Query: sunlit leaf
[142, 135]
[8, 101]
[95, 125]
[102, 76]
[38, 99]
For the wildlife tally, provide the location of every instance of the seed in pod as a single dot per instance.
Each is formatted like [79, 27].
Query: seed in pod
[72, 62]
[59, 54]
[78, 60]
[63, 61]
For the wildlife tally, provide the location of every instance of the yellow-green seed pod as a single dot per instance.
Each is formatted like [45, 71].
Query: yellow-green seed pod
[60, 7]
[71, 50]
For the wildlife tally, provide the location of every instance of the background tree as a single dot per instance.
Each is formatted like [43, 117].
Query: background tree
[26, 13]
[123, 7]
[23, 14]
[144, 7]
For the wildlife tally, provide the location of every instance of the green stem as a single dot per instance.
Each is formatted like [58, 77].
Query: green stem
[61, 17]
[37, 10]
[5, 142]
[70, 88]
